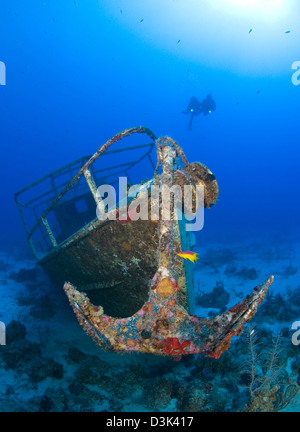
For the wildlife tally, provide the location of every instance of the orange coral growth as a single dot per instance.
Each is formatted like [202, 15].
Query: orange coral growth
[126, 246]
[171, 303]
[166, 287]
[148, 307]
[131, 343]
[95, 310]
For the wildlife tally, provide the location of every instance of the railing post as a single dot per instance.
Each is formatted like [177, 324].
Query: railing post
[49, 232]
[92, 185]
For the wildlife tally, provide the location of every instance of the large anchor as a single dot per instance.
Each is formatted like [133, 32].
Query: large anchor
[163, 325]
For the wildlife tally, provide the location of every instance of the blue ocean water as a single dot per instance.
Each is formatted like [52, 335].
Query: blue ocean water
[74, 74]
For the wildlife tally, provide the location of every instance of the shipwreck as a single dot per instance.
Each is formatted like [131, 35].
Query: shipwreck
[125, 281]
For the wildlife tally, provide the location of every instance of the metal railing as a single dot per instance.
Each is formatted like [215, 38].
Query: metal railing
[86, 171]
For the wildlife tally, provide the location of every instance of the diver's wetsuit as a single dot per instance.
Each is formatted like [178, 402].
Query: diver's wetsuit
[195, 107]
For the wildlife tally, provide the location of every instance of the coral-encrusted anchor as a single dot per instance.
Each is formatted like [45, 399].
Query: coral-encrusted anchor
[163, 326]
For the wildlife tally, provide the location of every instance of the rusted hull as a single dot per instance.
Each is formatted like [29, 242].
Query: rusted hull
[114, 262]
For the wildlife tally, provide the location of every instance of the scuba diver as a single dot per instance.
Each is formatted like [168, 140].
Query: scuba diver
[207, 106]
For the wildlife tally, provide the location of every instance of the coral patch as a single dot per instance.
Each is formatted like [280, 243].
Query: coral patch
[166, 287]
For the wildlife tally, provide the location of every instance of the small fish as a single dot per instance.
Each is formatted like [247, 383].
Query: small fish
[250, 31]
[192, 256]
[178, 41]
[142, 20]
[288, 31]
[121, 11]
[258, 91]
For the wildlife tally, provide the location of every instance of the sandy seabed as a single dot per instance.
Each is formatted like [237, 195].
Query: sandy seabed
[50, 364]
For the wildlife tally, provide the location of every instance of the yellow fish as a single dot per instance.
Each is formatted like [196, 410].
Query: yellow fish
[192, 256]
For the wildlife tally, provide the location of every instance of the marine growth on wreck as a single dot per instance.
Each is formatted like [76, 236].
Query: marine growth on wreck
[159, 295]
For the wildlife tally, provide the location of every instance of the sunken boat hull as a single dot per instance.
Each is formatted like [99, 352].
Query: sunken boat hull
[114, 263]
[111, 261]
